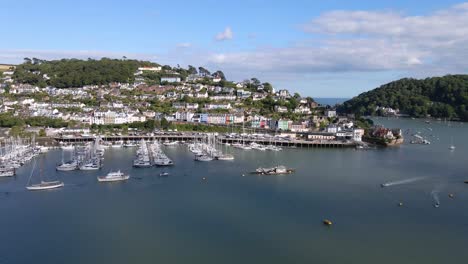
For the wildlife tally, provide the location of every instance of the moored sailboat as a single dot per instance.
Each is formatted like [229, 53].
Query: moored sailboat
[43, 185]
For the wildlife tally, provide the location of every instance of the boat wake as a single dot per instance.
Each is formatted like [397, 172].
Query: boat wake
[435, 196]
[411, 180]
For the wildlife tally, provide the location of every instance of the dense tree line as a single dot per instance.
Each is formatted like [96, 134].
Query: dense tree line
[8, 120]
[77, 73]
[440, 97]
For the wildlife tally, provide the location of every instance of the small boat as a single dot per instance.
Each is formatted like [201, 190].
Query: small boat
[163, 161]
[7, 172]
[67, 147]
[90, 166]
[163, 174]
[45, 185]
[113, 177]
[130, 145]
[436, 205]
[466, 182]
[140, 163]
[452, 146]
[278, 170]
[327, 222]
[203, 158]
[225, 157]
[168, 143]
[67, 166]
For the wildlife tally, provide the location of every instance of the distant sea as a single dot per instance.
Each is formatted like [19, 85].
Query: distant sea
[330, 101]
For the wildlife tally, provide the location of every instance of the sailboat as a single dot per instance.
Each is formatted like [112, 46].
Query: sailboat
[69, 165]
[43, 185]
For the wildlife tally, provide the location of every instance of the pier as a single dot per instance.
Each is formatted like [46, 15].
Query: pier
[192, 137]
[291, 143]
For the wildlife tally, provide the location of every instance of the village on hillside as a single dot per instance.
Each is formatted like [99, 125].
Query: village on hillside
[174, 100]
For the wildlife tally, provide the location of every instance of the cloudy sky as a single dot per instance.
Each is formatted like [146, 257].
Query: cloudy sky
[327, 48]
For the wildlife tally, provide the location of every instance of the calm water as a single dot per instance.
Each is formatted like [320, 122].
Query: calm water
[251, 219]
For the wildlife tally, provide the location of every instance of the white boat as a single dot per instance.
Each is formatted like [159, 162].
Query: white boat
[67, 147]
[163, 162]
[7, 172]
[452, 147]
[130, 144]
[113, 177]
[45, 185]
[274, 171]
[164, 174]
[43, 149]
[68, 166]
[203, 158]
[225, 157]
[90, 166]
[173, 143]
[117, 144]
[140, 163]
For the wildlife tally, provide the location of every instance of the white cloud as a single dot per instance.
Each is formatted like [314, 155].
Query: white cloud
[184, 45]
[367, 41]
[225, 35]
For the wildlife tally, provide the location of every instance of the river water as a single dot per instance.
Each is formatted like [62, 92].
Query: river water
[230, 218]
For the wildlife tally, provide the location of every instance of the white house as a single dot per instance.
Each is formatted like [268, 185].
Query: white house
[302, 110]
[218, 106]
[330, 113]
[170, 79]
[281, 109]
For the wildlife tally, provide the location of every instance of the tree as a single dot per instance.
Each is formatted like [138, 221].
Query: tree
[255, 81]
[219, 74]
[192, 70]
[164, 123]
[42, 133]
[203, 72]
[267, 87]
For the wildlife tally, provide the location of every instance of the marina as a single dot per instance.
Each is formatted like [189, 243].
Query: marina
[190, 137]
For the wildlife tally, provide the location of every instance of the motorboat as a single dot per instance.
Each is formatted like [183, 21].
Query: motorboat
[203, 157]
[141, 163]
[273, 171]
[163, 162]
[7, 172]
[113, 177]
[68, 166]
[67, 147]
[45, 185]
[163, 174]
[130, 145]
[225, 157]
[168, 143]
[90, 166]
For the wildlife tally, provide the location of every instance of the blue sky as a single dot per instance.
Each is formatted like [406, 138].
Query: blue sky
[318, 48]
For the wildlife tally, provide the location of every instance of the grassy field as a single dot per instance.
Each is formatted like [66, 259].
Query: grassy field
[5, 67]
